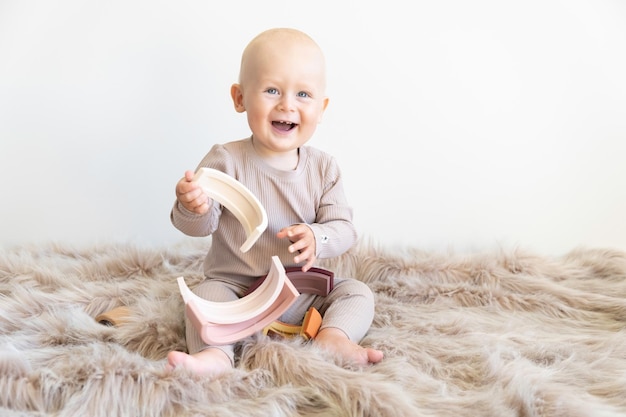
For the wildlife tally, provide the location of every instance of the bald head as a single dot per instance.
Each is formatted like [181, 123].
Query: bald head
[271, 46]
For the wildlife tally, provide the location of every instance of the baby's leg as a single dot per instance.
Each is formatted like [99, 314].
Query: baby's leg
[202, 358]
[348, 312]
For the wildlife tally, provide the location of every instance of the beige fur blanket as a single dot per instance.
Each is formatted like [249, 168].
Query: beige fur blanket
[505, 333]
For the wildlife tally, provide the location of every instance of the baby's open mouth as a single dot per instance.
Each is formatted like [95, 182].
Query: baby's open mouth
[284, 126]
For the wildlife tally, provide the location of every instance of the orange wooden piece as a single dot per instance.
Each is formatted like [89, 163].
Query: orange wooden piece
[310, 326]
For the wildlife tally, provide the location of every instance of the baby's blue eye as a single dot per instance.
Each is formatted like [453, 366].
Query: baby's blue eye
[303, 94]
[272, 91]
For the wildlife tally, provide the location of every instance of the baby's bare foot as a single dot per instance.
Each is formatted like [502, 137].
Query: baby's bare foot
[210, 362]
[337, 341]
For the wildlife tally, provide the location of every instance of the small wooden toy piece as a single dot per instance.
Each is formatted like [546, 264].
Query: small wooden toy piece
[238, 199]
[221, 323]
[310, 326]
[114, 317]
[317, 281]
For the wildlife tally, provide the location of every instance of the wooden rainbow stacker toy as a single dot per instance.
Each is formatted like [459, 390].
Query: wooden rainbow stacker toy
[267, 299]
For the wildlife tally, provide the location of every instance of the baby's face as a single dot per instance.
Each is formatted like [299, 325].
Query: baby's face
[282, 89]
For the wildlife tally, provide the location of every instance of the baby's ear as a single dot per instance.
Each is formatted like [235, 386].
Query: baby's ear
[324, 105]
[237, 95]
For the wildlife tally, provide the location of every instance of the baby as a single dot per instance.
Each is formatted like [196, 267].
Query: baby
[281, 88]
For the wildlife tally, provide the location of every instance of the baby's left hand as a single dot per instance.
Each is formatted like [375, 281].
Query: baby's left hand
[303, 241]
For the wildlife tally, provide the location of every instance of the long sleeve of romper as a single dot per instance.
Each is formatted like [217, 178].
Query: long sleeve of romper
[312, 194]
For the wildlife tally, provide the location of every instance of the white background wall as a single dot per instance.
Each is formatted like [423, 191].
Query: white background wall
[458, 124]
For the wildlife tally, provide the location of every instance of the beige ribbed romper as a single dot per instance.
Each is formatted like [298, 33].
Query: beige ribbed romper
[311, 194]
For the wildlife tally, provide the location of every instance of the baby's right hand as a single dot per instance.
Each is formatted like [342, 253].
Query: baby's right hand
[191, 195]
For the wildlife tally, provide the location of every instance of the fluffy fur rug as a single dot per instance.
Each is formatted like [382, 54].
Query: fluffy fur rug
[506, 333]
